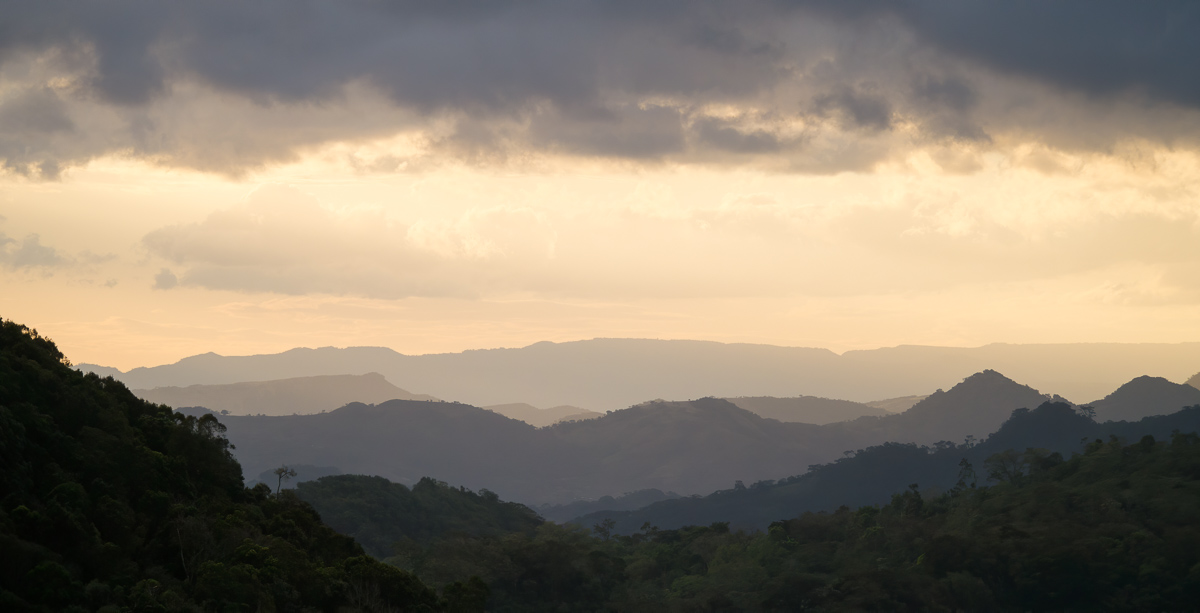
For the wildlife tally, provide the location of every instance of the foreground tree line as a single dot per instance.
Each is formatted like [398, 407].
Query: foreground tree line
[109, 503]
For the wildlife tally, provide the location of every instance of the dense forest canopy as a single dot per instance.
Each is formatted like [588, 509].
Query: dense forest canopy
[110, 503]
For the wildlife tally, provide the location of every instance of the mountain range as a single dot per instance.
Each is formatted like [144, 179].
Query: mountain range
[873, 475]
[298, 395]
[610, 374]
[690, 447]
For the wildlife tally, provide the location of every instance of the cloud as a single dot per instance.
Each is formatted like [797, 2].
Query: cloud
[284, 241]
[165, 279]
[229, 87]
[29, 253]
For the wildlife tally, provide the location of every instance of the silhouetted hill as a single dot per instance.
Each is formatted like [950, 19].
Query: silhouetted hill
[300, 395]
[1194, 381]
[975, 407]
[405, 440]
[688, 447]
[1145, 396]
[608, 374]
[896, 405]
[872, 475]
[805, 409]
[540, 418]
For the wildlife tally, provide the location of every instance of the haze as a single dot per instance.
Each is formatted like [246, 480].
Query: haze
[246, 179]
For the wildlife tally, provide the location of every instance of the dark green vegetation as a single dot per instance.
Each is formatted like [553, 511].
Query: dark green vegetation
[379, 514]
[1111, 529]
[110, 503]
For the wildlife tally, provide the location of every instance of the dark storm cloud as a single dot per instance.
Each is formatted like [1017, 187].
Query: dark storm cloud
[1099, 47]
[619, 78]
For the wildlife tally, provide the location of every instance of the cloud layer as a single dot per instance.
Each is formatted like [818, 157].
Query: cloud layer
[803, 86]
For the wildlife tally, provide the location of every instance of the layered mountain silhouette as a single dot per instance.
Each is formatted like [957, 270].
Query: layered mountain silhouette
[609, 374]
[1194, 381]
[896, 405]
[299, 395]
[976, 407]
[806, 409]
[689, 447]
[873, 475]
[1145, 396]
[541, 418]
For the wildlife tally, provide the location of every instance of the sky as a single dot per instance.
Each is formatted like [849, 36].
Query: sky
[178, 178]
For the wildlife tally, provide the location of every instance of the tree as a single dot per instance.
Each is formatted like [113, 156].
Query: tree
[284, 473]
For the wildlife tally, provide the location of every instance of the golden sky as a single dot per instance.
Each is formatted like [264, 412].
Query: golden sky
[498, 175]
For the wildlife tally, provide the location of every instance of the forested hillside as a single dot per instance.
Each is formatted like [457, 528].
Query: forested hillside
[111, 503]
[1111, 529]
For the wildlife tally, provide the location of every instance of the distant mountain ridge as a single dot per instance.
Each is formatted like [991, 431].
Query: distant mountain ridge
[610, 374]
[298, 395]
[541, 418]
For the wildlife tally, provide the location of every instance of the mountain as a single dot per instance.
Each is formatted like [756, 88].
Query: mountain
[299, 395]
[1194, 381]
[806, 409]
[896, 405]
[689, 447]
[975, 407]
[610, 374]
[540, 418]
[1145, 396]
[112, 503]
[872, 475]
[405, 440]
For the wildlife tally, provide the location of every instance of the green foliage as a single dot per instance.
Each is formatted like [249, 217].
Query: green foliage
[110, 503]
